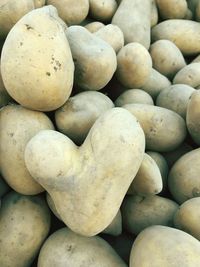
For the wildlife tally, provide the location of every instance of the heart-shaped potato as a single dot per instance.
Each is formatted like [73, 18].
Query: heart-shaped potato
[88, 183]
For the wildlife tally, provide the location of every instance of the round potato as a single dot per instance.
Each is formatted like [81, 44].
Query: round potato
[18, 126]
[65, 248]
[134, 65]
[35, 73]
[102, 10]
[176, 98]
[187, 217]
[78, 114]
[24, 225]
[72, 12]
[139, 212]
[92, 56]
[164, 246]
[164, 129]
[172, 9]
[94, 26]
[183, 179]
[167, 58]
[134, 96]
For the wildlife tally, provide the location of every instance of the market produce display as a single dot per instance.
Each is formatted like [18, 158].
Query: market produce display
[99, 133]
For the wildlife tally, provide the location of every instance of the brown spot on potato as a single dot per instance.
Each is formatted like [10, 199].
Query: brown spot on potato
[28, 27]
[48, 73]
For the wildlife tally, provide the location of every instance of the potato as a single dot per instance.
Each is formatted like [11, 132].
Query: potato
[172, 9]
[4, 96]
[65, 248]
[94, 26]
[187, 217]
[155, 83]
[192, 117]
[137, 29]
[164, 129]
[154, 13]
[102, 10]
[189, 75]
[4, 188]
[91, 56]
[35, 73]
[78, 114]
[183, 179]
[133, 96]
[133, 65]
[88, 184]
[18, 126]
[148, 180]
[167, 58]
[184, 33]
[164, 246]
[24, 225]
[113, 35]
[139, 212]
[72, 12]
[176, 98]
[162, 165]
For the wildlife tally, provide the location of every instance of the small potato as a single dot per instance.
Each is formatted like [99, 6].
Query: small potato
[162, 246]
[92, 56]
[18, 126]
[154, 13]
[148, 180]
[189, 75]
[35, 73]
[164, 129]
[65, 248]
[139, 212]
[183, 179]
[184, 33]
[78, 114]
[24, 225]
[72, 12]
[155, 83]
[176, 98]
[167, 58]
[137, 29]
[113, 35]
[94, 26]
[172, 9]
[187, 217]
[134, 65]
[192, 117]
[102, 10]
[4, 96]
[162, 165]
[134, 96]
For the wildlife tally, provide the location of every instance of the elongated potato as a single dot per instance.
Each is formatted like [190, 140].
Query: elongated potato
[136, 29]
[164, 129]
[18, 126]
[139, 212]
[102, 10]
[88, 184]
[133, 96]
[65, 248]
[184, 33]
[24, 225]
[94, 26]
[35, 73]
[91, 56]
[164, 246]
[172, 9]
[133, 65]
[183, 179]
[148, 180]
[192, 118]
[113, 35]
[187, 217]
[155, 83]
[189, 75]
[72, 12]
[176, 98]
[167, 58]
[79, 113]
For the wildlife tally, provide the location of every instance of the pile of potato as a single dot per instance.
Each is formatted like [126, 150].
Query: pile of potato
[100, 133]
